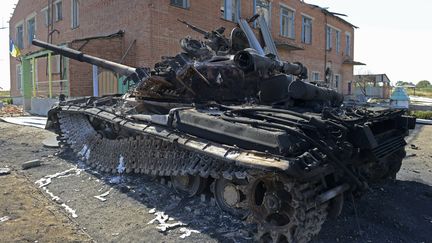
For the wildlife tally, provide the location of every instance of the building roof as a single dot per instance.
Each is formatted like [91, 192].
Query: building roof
[333, 14]
[383, 77]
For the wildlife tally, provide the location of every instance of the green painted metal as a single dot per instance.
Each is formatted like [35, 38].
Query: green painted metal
[49, 75]
[33, 63]
[41, 53]
[27, 78]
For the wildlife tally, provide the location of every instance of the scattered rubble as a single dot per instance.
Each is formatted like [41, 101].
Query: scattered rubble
[5, 171]
[31, 164]
[187, 232]
[102, 196]
[413, 146]
[4, 219]
[12, 110]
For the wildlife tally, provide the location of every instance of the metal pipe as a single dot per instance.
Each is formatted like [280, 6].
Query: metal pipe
[332, 193]
[79, 56]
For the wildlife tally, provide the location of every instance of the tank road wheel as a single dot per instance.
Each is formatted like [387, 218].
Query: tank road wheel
[281, 211]
[230, 196]
[188, 185]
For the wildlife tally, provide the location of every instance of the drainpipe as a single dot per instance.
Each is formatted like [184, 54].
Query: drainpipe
[325, 43]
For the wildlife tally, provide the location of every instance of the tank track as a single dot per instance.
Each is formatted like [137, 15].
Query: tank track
[150, 155]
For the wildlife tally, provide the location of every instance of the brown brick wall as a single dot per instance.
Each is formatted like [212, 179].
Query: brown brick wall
[153, 24]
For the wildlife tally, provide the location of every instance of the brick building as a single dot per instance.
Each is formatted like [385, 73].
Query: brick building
[138, 32]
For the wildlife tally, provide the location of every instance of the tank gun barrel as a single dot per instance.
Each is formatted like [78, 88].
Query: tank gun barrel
[193, 27]
[249, 60]
[121, 69]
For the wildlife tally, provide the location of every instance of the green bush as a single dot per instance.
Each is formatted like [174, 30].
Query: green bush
[421, 114]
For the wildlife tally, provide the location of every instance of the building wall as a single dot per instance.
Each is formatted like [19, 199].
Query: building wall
[154, 26]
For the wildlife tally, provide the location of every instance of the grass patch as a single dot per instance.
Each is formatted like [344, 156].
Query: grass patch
[422, 114]
[424, 92]
[5, 100]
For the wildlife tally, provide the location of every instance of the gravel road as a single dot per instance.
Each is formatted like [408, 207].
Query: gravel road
[138, 209]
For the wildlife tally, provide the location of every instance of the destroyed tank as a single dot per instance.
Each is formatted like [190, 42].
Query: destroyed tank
[229, 115]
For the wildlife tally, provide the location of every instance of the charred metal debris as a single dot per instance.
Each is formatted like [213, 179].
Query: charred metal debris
[229, 114]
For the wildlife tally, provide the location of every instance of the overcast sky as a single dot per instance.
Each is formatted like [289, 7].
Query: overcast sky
[392, 38]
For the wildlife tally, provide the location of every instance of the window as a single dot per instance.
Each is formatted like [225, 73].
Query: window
[349, 87]
[19, 77]
[19, 36]
[46, 16]
[180, 3]
[230, 10]
[55, 64]
[306, 30]
[75, 14]
[58, 11]
[328, 38]
[262, 7]
[315, 76]
[337, 81]
[348, 44]
[287, 23]
[338, 41]
[31, 28]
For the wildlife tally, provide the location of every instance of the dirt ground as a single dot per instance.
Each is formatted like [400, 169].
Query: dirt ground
[394, 211]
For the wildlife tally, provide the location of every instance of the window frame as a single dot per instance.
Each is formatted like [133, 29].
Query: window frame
[348, 44]
[31, 17]
[291, 35]
[329, 37]
[45, 14]
[269, 11]
[313, 76]
[338, 80]
[73, 26]
[237, 10]
[20, 42]
[185, 4]
[303, 34]
[338, 40]
[56, 10]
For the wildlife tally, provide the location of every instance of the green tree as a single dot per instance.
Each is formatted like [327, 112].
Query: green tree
[423, 84]
[402, 83]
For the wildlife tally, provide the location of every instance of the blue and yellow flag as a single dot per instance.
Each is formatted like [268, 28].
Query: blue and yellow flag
[13, 49]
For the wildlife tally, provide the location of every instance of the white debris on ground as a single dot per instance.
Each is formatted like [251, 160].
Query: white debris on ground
[102, 196]
[187, 232]
[71, 211]
[46, 180]
[121, 166]
[163, 226]
[4, 219]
